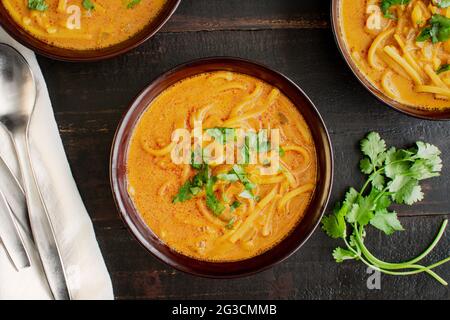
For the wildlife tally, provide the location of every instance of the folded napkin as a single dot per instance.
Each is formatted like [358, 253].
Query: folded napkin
[87, 274]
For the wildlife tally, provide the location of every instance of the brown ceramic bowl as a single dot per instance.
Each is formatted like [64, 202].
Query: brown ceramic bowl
[278, 253]
[15, 31]
[406, 109]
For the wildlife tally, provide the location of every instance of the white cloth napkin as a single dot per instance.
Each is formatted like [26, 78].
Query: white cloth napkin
[87, 274]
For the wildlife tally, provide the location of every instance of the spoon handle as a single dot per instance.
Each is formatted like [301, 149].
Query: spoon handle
[11, 236]
[41, 227]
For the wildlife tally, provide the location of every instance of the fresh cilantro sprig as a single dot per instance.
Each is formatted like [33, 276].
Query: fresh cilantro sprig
[387, 4]
[393, 177]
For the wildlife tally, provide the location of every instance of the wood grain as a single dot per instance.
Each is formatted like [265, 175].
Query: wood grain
[289, 36]
[204, 15]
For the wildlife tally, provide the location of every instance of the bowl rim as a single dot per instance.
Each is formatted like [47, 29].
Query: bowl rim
[400, 107]
[324, 195]
[68, 55]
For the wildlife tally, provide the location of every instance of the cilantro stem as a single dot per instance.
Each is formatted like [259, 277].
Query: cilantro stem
[432, 245]
[386, 266]
[381, 194]
[407, 273]
[363, 254]
[397, 273]
[412, 261]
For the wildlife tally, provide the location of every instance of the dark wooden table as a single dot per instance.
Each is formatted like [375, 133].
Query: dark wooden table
[295, 38]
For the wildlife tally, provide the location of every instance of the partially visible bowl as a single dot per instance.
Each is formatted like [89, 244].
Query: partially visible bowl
[130, 215]
[28, 40]
[406, 109]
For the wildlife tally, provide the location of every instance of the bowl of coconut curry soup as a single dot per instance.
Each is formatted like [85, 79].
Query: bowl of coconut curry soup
[399, 50]
[83, 30]
[221, 167]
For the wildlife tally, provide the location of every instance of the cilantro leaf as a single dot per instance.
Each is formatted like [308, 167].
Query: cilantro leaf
[384, 201]
[373, 147]
[235, 205]
[88, 5]
[242, 175]
[194, 186]
[395, 163]
[246, 194]
[245, 150]
[195, 160]
[351, 196]
[231, 177]
[423, 169]
[378, 181]
[334, 224]
[340, 254]
[362, 211]
[184, 193]
[405, 190]
[443, 68]
[230, 223]
[133, 3]
[38, 5]
[282, 152]
[366, 166]
[427, 151]
[386, 221]
[437, 31]
[387, 4]
[424, 35]
[211, 200]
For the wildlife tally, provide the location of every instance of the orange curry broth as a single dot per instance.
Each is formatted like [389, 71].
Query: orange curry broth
[154, 181]
[109, 23]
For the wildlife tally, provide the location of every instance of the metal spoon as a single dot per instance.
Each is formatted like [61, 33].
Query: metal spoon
[17, 101]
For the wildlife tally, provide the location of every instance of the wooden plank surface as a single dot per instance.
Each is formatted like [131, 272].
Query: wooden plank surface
[294, 38]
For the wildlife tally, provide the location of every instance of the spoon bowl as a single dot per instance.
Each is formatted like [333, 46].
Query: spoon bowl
[17, 100]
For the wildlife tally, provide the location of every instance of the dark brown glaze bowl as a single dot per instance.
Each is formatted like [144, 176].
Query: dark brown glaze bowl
[301, 233]
[406, 109]
[38, 46]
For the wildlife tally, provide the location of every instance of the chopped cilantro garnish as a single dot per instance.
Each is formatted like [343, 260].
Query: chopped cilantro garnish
[133, 3]
[387, 4]
[235, 205]
[38, 5]
[443, 68]
[437, 31]
[88, 5]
